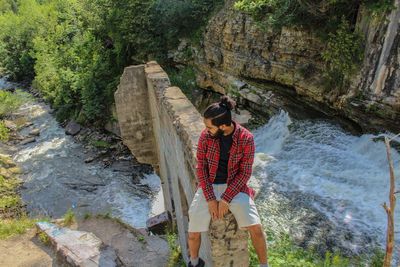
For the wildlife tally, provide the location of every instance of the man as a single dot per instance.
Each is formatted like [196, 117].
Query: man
[225, 156]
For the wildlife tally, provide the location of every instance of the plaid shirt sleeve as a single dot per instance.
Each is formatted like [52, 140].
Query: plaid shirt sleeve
[244, 173]
[202, 169]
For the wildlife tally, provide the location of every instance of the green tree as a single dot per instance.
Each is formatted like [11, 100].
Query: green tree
[75, 50]
[16, 37]
[73, 68]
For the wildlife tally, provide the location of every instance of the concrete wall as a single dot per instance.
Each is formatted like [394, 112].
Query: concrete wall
[161, 127]
[134, 115]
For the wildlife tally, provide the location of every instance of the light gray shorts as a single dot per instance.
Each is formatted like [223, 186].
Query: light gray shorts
[242, 207]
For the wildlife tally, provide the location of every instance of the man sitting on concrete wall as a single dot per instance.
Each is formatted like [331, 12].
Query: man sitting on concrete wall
[223, 170]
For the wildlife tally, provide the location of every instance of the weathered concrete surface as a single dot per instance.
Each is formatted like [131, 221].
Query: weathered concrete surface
[175, 129]
[78, 248]
[132, 247]
[134, 115]
[221, 233]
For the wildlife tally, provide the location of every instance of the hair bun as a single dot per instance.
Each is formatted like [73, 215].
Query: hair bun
[227, 102]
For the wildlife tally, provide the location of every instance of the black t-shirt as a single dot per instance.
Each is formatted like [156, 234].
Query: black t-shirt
[224, 146]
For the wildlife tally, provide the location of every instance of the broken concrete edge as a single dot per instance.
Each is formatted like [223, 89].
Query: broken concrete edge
[135, 120]
[65, 252]
[78, 248]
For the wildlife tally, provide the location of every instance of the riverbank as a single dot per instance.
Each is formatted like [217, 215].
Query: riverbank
[87, 170]
[19, 245]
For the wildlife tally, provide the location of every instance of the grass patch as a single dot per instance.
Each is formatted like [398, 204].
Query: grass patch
[4, 132]
[69, 217]
[282, 252]
[11, 205]
[87, 216]
[12, 227]
[175, 258]
[44, 238]
[8, 202]
[14, 219]
[141, 239]
[106, 215]
[100, 144]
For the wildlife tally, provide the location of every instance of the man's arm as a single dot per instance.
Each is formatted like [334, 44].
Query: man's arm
[202, 169]
[244, 174]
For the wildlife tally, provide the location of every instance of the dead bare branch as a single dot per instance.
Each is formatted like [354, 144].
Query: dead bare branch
[390, 210]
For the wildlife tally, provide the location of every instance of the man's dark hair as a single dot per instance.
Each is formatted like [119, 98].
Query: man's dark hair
[220, 112]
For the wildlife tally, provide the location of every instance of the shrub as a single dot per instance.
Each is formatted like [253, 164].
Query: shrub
[4, 132]
[9, 103]
[343, 54]
[175, 255]
[69, 217]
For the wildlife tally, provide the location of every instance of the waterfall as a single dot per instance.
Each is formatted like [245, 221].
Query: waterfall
[315, 167]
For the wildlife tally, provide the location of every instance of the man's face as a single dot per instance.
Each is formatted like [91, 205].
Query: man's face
[212, 129]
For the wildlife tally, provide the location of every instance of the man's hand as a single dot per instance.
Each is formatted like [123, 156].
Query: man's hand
[223, 208]
[213, 209]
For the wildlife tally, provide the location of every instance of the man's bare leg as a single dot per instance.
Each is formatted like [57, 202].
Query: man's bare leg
[194, 244]
[259, 243]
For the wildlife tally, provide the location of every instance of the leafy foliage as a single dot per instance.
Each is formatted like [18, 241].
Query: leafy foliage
[322, 15]
[181, 18]
[16, 36]
[343, 54]
[10, 102]
[74, 51]
[69, 217]
[175, 258]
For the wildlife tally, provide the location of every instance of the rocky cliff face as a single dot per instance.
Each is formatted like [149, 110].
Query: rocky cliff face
[239, 57]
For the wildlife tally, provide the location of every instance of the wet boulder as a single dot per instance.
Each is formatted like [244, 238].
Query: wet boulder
[72, 128]
[10, 125]
[27, 140]
[34, 132]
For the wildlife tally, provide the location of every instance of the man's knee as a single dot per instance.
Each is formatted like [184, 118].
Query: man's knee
[194, 236]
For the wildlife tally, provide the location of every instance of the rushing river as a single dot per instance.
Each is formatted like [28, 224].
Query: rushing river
[57, 178]
[322, 185]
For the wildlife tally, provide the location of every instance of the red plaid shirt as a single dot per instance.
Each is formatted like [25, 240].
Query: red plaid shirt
[240, 163]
